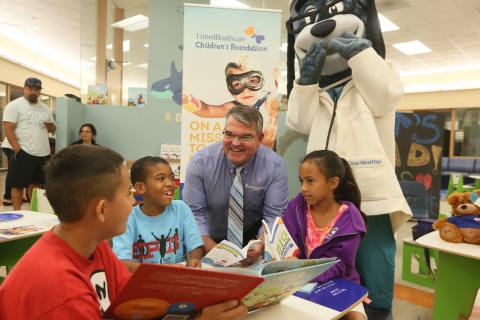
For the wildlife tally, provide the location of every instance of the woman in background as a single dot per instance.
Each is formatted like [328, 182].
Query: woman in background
[87, 134]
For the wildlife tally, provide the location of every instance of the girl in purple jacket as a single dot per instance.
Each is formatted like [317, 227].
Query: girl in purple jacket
[325, 219]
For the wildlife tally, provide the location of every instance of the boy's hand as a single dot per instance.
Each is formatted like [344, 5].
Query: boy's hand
[230, 310]
[194, 263]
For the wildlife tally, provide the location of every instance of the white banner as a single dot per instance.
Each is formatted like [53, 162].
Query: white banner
[230, 57]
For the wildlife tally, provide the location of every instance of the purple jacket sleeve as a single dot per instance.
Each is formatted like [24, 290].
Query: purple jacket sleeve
[345, 251]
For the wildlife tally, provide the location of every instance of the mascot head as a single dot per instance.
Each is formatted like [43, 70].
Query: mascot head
[313, 21]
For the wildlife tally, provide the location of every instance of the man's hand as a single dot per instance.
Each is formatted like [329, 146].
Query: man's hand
[16, 148]
[348, 45]
[208, 243]
[255, 251]
[50, 126]
[312, 65]
[230, 310]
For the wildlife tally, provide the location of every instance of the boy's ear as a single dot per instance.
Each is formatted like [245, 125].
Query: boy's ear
[99, 209]
[139, 187]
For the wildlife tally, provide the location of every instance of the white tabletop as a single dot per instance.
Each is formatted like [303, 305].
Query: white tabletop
[432, 240]
[44, 221]
[295, 308]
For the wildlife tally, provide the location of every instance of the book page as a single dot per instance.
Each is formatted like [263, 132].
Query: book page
[224, 254]
[285, 281]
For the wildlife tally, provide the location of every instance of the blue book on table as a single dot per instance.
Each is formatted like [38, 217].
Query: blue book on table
[337, 294]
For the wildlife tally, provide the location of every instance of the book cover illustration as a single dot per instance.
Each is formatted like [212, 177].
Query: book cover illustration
[153, 288]
[278, 242]
[337, 294]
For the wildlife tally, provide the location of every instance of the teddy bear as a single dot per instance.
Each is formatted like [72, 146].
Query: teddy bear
[464, 224]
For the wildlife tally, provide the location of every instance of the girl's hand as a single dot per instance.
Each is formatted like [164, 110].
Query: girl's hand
[291, 258]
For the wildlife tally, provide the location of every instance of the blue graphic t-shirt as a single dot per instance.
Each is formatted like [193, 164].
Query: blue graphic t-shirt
[166, 238]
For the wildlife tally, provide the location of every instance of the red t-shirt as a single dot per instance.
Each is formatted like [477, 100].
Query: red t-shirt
[52, 281]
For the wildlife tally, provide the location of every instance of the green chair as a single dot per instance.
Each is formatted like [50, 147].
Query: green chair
[455, 184]
[40, 202]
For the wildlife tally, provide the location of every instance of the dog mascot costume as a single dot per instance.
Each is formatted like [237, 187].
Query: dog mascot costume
[344, 99]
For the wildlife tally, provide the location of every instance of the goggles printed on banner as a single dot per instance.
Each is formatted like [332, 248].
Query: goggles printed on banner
[237, 83]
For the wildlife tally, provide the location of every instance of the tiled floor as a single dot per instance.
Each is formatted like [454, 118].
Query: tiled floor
[402, 308]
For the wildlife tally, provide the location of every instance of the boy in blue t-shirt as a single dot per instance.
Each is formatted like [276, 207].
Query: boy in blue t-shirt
[160, 230]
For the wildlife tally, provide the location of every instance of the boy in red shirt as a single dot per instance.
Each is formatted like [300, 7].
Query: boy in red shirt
[71, 272]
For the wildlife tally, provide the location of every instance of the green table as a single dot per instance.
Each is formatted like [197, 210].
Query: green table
[457, 280]
[12, 249]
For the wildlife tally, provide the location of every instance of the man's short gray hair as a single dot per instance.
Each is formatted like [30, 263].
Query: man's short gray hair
[247, 115]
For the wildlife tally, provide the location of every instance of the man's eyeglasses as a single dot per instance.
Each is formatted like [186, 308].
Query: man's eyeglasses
[227, 135]
[330, 9]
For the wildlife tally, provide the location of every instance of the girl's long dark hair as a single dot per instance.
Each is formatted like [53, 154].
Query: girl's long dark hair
[331, 165]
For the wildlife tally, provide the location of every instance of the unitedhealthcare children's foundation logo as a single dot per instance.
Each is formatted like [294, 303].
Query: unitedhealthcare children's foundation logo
[250, 31]
[230, 42]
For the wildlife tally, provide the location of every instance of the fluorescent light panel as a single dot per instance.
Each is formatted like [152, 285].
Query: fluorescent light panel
[126, 46]
[228, 3]
[412, 47]
[386, 25]
[132, 24]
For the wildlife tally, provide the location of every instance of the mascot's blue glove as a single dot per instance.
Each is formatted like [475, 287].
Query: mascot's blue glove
[348, 45]
[312, 65]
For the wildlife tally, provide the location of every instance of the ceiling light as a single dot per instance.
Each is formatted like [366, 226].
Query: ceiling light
[146, 45]
[126, 46]
[93, 58]
[412, 47]
[134, 23]
[39, 68]
[143, 65]
[126, 63]
[228, 3]
[284, 47]
[386, 25]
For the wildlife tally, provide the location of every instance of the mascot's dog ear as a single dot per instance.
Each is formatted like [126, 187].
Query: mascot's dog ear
[372, 28]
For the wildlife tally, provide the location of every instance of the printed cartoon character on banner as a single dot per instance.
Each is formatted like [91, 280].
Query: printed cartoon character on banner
[344, 98]
[245, 81]
[464, 224]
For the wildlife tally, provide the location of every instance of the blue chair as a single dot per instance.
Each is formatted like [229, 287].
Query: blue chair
[416, 195]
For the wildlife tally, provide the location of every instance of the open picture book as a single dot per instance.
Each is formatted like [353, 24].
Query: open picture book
[278, 245]
[153, 290]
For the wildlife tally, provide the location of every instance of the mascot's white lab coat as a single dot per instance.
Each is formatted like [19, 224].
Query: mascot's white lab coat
[363, 130]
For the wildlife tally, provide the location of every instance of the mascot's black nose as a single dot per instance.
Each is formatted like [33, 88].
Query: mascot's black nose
[463, 206]
[323, 29]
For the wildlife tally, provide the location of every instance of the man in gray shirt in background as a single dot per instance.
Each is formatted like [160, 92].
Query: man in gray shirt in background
[232, 185]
